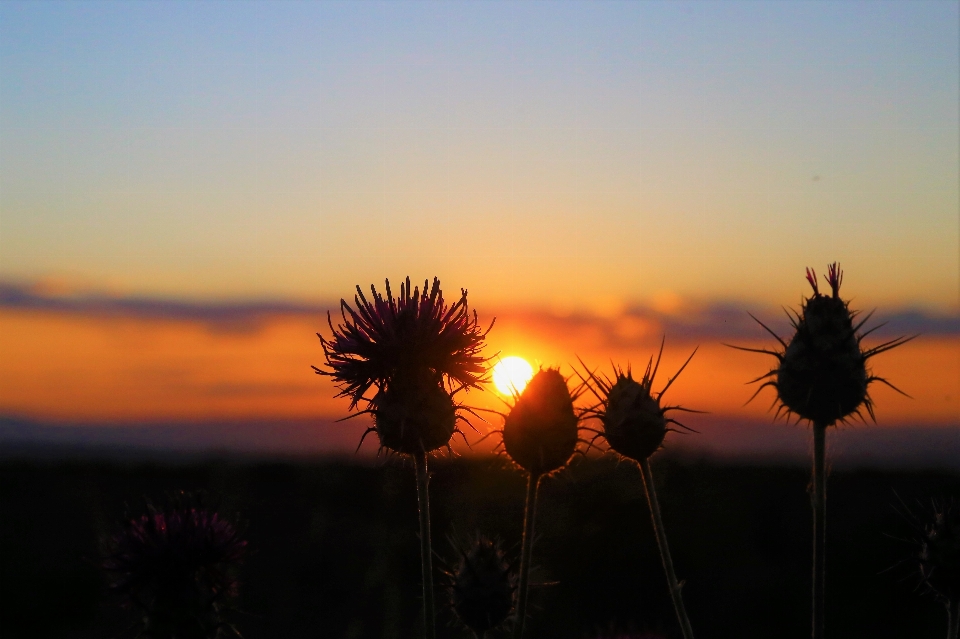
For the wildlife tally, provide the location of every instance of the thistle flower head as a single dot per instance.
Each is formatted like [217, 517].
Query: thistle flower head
[416, 352]
[177, 565]
[540, 432]
[482, 586]
[633, 419]
[822, 374]
[939, 551]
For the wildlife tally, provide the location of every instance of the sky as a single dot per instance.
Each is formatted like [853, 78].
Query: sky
[571, 164]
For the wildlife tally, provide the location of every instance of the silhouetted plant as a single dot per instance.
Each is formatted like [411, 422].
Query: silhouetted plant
[936, 555]
[417, 353]
[482, 586]
[634, 424]
[177, 565]
[540, 435]
[822, 377]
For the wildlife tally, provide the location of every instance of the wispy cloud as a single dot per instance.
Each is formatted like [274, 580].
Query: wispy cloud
[240, 315]
[634, 326]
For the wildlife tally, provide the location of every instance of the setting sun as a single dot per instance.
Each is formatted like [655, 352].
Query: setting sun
[511, 374]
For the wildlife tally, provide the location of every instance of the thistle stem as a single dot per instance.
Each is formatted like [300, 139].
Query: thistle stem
[426, 549]
[818, 502]
[529, 513]
[672, 584]
[953, 619]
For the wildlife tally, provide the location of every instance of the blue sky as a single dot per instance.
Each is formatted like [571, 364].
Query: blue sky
[586, 154]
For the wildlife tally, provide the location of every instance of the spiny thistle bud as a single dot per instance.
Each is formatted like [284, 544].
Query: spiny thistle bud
[634, 422]
[822, 374]
[412, 349]
[540, 431]
[177, 565]
[483, 585]
[939, 554]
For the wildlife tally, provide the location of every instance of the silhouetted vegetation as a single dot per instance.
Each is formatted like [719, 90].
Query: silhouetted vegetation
[334, 550]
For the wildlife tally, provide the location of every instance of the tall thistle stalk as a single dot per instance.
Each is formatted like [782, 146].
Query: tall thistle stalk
[426, 546]
[417, 353]
[822, 377]
[953, 619]
[818, 502]
[526, 550]
[634, 425]
[540, 435]
[672, 583]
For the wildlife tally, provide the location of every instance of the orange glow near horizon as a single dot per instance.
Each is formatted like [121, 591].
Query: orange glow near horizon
[67, 368]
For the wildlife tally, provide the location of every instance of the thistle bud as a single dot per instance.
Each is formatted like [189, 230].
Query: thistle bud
[634, 421]
[822, 375]
[540, 432]
[414, 414]
[940, 552]
[482, 587]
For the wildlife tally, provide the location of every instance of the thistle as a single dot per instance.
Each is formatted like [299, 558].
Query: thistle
[482, 586]
[540, 434]
[177, 564]
[822, 377]
[936, 556]
[416, 353]
[540, 431]
[635, 424]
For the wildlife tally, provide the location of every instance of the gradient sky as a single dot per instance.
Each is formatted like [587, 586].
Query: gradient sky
[564, 154]
[586, 170]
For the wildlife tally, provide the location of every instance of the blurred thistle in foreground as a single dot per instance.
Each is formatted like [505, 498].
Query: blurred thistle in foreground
[822, 377]
[416, 353]
[482, 586]
[634, 425]
[178, 566]
[937, 556]
[540, 434]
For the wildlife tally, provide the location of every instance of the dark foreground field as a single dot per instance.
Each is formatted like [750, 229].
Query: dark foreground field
[335, 551]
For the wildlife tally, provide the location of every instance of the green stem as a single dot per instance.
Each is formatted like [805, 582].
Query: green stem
[529, 512]
[426, 549]
[672, 584]
[953, 619]
[818, 502]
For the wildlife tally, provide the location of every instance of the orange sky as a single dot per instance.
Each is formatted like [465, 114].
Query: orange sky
[64, 367]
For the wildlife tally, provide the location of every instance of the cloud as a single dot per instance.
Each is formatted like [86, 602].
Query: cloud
[638, 325]
[241, 315]
[717, 321]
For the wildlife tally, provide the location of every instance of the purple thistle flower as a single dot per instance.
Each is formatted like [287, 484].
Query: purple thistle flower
[416, 352]
[177, 565]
